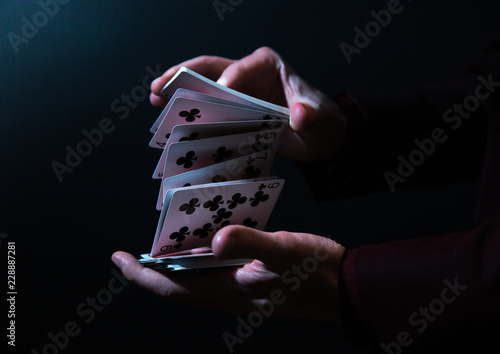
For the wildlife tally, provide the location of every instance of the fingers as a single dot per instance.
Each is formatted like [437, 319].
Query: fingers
[301, 117]
[159, 82]
[158, 101]
[208, 66]
[259, 75]
[255, 67]
[273, 249]
[139, 275]
[279, 254]
[242, 242]
[295, 142]
[214, 286]
[248, 74]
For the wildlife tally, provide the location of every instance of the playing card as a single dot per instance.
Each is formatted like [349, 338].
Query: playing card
[189, 111]
[219, 145]
[192, 215]
[255, 165]
[191, 155]
[188, 132]
[186, 78]
[189, 94]
[188, 262]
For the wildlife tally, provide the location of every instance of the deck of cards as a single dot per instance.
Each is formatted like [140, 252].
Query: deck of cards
[218, 148]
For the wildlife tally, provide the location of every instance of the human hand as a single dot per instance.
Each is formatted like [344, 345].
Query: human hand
[317, 129]
[294, 274]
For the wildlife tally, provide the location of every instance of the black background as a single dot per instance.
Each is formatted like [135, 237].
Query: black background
[66, 77]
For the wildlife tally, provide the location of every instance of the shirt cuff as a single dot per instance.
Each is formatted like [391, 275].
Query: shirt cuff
[350, 302]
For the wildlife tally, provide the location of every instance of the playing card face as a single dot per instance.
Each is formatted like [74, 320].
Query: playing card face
[186, 132]
[255, 165]
[192, 155]
[186, 78]
[189, 132]
[198, 96]
[179, 93]
[191, 216]
[219, 145]
[190, 111]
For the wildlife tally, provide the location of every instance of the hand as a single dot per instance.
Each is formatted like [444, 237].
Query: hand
[294, 274]
[317, 126]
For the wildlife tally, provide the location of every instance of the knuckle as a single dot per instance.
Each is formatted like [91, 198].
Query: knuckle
[265, 51]
[165, 291]
[132, 276]
[208, 59]
[281, 234]
[203, 58]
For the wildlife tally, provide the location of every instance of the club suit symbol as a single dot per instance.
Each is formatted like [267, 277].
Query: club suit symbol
[191, 115]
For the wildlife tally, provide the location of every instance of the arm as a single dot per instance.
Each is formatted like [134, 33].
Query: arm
[421, 294]
[370, 271]
[390, 124]
[435, 289]
[341, 145]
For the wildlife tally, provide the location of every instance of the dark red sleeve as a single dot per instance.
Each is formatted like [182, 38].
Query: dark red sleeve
[428, 292]
[439, 294]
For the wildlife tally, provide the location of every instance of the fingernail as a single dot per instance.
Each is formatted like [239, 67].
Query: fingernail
[217, 239]
[222, 81]
[295, 113]
[115, 261]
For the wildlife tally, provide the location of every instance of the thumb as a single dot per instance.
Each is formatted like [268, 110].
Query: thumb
[238, 241]
[302, 116]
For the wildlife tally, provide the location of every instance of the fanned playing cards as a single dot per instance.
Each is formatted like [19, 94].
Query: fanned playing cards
[218, 148]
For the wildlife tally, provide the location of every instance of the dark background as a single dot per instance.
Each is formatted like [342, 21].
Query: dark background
[64, 80]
